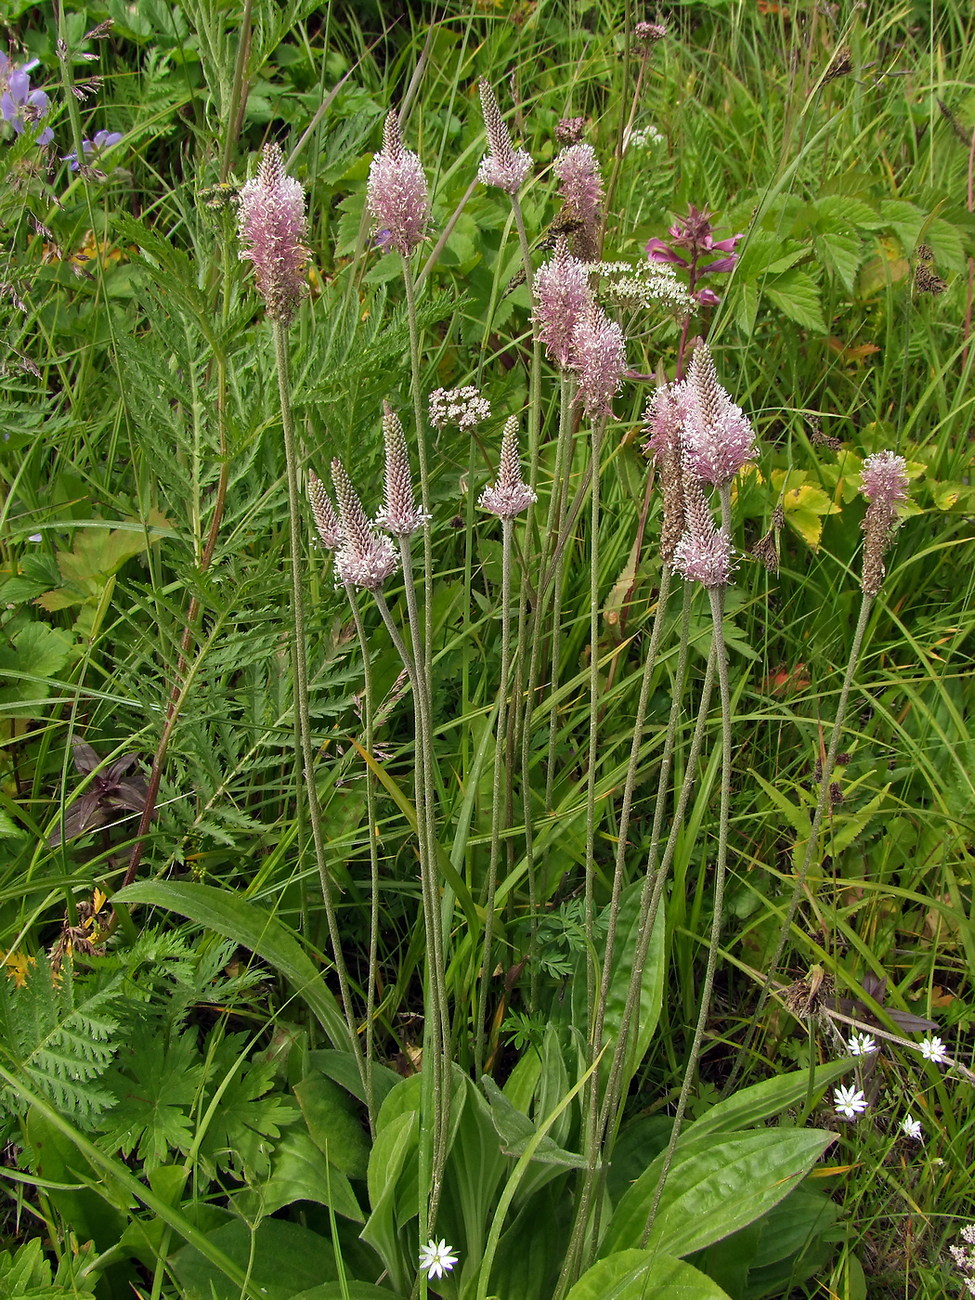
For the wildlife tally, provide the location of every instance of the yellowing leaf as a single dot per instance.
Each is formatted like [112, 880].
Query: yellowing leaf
[805, 507]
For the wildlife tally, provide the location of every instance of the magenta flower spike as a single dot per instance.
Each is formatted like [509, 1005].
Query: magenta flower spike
[664, 421]
[365, 558]
[562, 297]
[510, 495]
[399, 514]
[599, 360]
[718, 436]
[883, 480]
[397, 195]
[503, 166]
[272, 228]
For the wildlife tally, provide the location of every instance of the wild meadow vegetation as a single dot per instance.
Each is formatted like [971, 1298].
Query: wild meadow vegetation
[487, 795]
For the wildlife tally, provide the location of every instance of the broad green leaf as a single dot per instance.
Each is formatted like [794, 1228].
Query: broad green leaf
[474, 1168]
[796, 293]
[299, 1172]
[37, 652]
[842, 255]
[347, 1291]
[763, 1100]
[905, 219]
[280, 1258]
[331, 1124]
[651, 984]
[516, 1131]
[714, 1190]
[394, 1147]
[645, 1275]
[231, 915]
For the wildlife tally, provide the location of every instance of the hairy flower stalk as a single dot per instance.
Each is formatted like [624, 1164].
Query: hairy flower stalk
[300, 668]
[507, 168]
[508, 498]
[365, 555]
[883, 483]
[397, 195]
[329, 531]
[272, 228]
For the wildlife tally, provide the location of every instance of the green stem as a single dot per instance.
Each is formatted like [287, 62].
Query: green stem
[590, 867]
[497, 803]
[300, 670]
[421, 446]
[720, 654]
[367, 739]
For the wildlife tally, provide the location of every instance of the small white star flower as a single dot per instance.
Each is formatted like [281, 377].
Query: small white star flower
[933, 1049]
[850, 1102]
[861, 1045]
[911, 1128]
[437, 1258]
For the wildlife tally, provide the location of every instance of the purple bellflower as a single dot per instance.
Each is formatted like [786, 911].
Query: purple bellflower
[91, 149]
[19, 105]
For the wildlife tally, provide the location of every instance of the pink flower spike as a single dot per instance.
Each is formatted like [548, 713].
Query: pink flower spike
[397, 196]
[562, 296]
[599, 360]
[664, 419]
[581, 183]
[884, 478]
[718, 436]
[705, 556]
[326, 520]
[503, 166]
[272, 229]
[399, 514]
[365, 558]
[510, 494]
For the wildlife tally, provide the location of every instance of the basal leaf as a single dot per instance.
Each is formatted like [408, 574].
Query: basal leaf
[645, 1275]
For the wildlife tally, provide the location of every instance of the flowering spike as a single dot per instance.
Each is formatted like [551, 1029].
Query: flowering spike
[704, 553]
[599, 359]
[510, 495]
[503, 166]
[365, 558]
[326, 520]
[399, 515]
[397, 195]
[884, 483]
[563, 296]
[582, 192]
[664, 420]
[273, 229]
[718, 436]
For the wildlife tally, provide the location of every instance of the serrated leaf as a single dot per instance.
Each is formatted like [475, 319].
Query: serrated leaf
[797, 295]
[841, 254]
[805, 508]
[905, 219]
